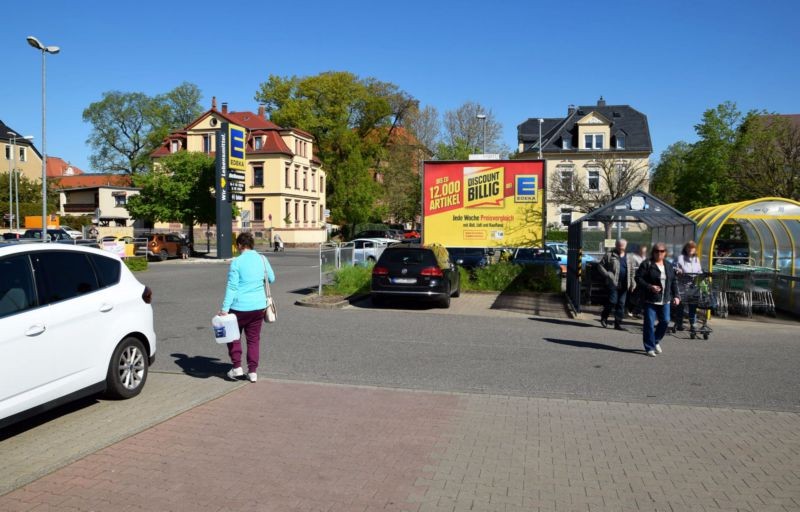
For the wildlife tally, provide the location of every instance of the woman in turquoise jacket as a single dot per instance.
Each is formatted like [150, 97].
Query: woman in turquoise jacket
[245, 297]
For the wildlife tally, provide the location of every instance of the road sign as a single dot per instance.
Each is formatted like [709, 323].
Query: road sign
[237, 197]
[236, 186]
[8, 216]
[235, 176]
[245, 215]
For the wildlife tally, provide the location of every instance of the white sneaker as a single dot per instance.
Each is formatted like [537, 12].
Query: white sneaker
[658, 349]
[252, 376]
[235, 373]
[651, 353]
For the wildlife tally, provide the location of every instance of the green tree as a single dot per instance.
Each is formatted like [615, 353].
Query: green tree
[128, 126]
[401, 182]
[352, 120]
[671, 166]
[464, 129]
[457, 149]
[179, 187]
[30, 197]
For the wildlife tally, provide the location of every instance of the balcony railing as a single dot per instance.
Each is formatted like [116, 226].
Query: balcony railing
[80, 207]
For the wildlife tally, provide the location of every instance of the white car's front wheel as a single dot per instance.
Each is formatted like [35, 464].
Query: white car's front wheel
[127, 371]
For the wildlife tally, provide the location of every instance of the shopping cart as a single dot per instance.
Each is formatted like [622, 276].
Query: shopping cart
[697, 290]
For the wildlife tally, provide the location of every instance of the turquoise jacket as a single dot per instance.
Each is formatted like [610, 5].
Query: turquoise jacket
[245, 289]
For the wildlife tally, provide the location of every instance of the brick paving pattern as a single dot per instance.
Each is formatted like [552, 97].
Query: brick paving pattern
[291, 446]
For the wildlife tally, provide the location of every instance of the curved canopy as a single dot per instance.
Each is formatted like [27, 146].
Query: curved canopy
[772, 225]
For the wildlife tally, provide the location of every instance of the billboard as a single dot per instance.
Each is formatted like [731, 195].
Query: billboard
[492, 203]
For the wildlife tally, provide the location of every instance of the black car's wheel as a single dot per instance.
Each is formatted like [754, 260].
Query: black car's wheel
[163, 255]
[127, 370]
[445, 302]
[457, 293]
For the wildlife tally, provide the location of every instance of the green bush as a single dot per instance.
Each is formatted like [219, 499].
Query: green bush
[136, 263]
[504, 276]
[350, 281]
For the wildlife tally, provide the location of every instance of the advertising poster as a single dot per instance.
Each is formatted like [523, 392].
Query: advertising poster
[492, 203]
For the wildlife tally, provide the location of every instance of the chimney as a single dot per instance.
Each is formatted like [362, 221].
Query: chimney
[224, 107]
[601, 102]
[570, 109]
[213, 103]
[261, 111]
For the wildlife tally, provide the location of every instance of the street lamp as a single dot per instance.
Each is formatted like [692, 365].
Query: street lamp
[45, 50]
[482, 117]
[540, 137]
[15, 181]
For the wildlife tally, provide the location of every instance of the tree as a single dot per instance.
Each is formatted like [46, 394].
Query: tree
[177, 188]
[617, 177]
[766, 157]
[424, 125]
[352, 120]
[128, 126]
[463, 128]
[671, 166]
[30, 197]
[401, 182]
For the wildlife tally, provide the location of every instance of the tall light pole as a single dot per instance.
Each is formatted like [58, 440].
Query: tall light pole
[45, 50]
[14, 178]
[482, 117]
[540, 137]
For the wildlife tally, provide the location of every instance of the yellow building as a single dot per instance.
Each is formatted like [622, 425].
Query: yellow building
[284, 184]
[19, 153]
[584, 149]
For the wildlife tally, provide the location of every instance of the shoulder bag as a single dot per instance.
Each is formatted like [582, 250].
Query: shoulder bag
[271, 312]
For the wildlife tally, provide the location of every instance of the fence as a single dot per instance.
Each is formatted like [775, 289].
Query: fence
[334, 256]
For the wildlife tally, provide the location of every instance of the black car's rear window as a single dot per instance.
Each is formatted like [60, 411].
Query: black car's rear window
[408, 257]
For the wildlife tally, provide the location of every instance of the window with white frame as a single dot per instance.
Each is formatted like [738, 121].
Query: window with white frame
[566, 143]
[8, 152]
[120, 199]
[257, 142]
[620, 141]
[287, 176]
[23, 154]
[207, 143]
[173, 146]
[258, 210]
[566, 173]
[566, 216]
[258, 175]
[313, 180]
[593, 141]
[297, 177]
[594, 178]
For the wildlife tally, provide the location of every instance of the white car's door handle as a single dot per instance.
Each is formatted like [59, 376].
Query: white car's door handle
[105, 308]
[35, 330]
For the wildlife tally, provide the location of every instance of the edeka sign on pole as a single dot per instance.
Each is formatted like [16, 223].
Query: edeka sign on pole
[492, 203]
[230, 166]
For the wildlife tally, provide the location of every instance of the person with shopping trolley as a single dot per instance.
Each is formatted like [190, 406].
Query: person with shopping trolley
[687, 267]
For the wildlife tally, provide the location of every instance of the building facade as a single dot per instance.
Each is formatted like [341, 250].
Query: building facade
[580, 148]
[284, 181]
[19, 153]
[102, 196]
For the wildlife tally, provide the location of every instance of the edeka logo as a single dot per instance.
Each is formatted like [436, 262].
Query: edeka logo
[484, 187]
[236, 148]
[527, 185]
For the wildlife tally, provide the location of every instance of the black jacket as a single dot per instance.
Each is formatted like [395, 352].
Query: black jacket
[649, 274]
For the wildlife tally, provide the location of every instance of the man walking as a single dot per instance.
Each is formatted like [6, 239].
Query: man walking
[614, 268]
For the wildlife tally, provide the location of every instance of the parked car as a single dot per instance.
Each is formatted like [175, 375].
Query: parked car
[405, 270]
[74, 233]
[560, 248]
[368, 250]
[378, 233]
[11, 236]
[468, 257]
[55, 234]
[162, 246]
[537, 256]
[67, 334]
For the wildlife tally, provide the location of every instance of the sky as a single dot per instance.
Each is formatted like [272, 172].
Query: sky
[671, 60]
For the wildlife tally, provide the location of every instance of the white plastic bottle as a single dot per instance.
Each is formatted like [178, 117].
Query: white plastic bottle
[226, 328]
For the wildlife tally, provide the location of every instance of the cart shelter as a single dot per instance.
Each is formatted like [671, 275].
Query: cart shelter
[666, 224]
[772, 227]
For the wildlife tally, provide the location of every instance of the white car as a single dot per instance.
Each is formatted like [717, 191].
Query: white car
[368, 250]
[74, 233]
[74, 321]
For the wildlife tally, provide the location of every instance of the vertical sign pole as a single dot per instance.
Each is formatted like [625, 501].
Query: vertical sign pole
[224, 215]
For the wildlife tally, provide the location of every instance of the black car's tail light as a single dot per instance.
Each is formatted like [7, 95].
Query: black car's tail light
[380, 271]
[432, 272]
[147, 295]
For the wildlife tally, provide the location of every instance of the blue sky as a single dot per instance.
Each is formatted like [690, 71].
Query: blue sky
[670, 60]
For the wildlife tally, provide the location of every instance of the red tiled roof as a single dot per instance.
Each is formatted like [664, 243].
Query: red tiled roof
[58, 167]
[252, 121]
[93, 180]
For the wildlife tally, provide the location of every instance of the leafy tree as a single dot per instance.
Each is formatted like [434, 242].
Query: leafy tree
[401, 182]
[458, 149]
[30, 197]
[463, 128]
[424, 125]
[128, 126]
[766, 157]
[352, 120]
[177, 188]
[670, 168]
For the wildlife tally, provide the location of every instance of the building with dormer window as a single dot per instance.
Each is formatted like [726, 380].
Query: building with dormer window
[577, 146]
[285, 184]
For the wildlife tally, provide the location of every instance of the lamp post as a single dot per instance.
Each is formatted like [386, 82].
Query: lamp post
[540, 137]
[482, 117]
[14, 178]
[45, 50]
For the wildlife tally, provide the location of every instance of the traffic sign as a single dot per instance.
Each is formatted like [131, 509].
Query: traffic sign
[236, 186]
[237, 197]
[236, 176]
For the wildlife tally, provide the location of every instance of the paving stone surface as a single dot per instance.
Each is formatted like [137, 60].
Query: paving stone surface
[286, 446]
